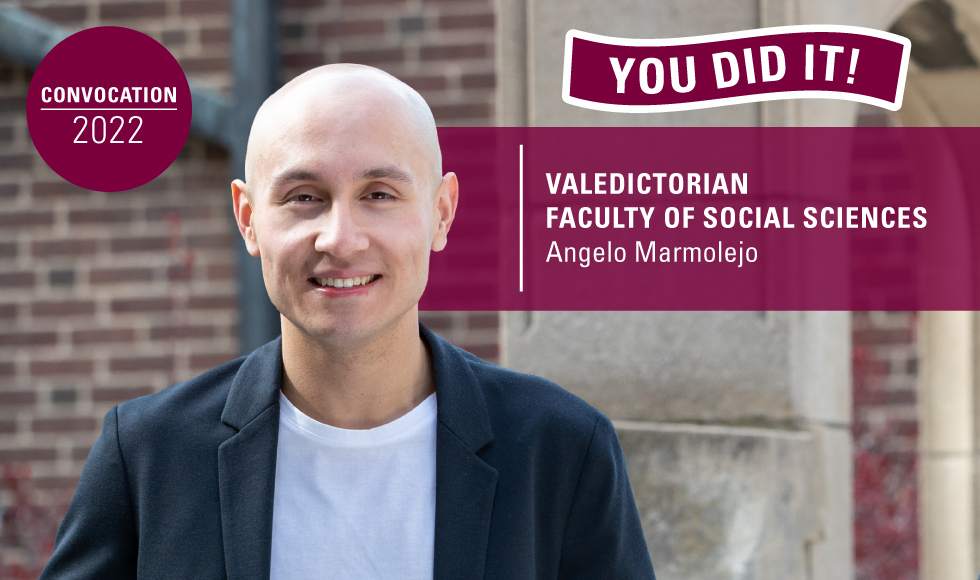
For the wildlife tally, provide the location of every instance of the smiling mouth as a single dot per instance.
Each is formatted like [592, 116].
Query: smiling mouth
[345, 282]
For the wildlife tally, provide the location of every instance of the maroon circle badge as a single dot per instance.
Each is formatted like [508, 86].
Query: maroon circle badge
[109, 109]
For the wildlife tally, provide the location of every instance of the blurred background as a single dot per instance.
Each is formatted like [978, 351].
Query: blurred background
[760, 444]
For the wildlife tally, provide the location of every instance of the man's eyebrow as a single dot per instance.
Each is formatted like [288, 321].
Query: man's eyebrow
[294, 175]
[387, 172]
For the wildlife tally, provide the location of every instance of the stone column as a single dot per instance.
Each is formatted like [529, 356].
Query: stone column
[946, 443]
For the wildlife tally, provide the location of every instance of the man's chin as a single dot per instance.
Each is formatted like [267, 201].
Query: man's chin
[345, 332]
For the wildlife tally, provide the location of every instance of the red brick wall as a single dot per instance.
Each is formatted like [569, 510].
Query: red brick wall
[442, 48]
[885, 372]
[885, 446]
[104, 297]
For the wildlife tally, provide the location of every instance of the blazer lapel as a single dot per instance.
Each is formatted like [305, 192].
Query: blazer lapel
[465, 484]
[247, 464]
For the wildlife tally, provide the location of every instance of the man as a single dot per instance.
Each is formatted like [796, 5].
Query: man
[359, 444]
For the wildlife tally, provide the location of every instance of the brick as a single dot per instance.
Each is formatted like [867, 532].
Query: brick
[180, 272]
[16, 279]
[904, 397]
[119, 275]
[142, 305]
[6, 369]
[411, 24]
[62, 308]
[210, 241]
[476, 320]
[8, 427]
[55, 189]
[80, 453]
[6, 134]
[7, 311]
[221, 272]
[457, 21]
[119, 394]
[202, 182]
[291, 30]
[8, 249]
[64, 396]
[215, 35]
[182, 212]
[16, 161]
[157, 185]
[209, 361]
[303, 59]
[147, 244]
[13, 105]
[881, 336]
[181, 332]
[61, 367]
[362, 2]
[471, 111]
[479, 81]
[99, 216]
[197, 7]
[214, 152]
[28, 339]
[63, 278]
[11, 399]
[55, 482]
[28, 454]
[212, 302]
[302, 3]
[350, 28]
[9, 191]
[205, 64]
[141, 364]
[173, 37]
[25, 219]
[373, 56]
[120, 10]
[453, 52]
[102, 335]
[59, 14]
[436, 321]
[44, 249]
[484, 351]
[63, 424]
[426, 83]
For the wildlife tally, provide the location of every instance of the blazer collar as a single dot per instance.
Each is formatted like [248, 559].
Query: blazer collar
[465, 483]
[461, 406]
[255, 387]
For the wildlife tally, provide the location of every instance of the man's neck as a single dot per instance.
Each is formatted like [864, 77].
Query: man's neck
[357, 387]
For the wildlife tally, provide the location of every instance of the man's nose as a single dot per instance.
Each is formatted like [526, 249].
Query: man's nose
[340, 233]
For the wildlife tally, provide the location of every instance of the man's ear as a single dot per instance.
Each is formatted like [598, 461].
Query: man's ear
[445, 210]
[243, 215]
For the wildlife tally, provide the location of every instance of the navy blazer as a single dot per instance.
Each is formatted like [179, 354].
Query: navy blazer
[530, 481]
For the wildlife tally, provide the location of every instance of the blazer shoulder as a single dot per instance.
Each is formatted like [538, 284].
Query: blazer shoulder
[182, 408]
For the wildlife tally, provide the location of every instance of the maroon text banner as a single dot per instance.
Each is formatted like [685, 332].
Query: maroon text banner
[643, 76]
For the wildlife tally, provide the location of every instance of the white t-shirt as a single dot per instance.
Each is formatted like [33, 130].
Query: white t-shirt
[355, 504]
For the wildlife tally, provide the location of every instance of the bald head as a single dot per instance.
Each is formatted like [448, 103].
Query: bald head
[328, 98]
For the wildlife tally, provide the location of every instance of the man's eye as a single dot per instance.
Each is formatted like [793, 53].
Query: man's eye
[380, 195]
[303, 197]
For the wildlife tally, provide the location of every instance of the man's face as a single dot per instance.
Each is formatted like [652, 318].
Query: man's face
[345, 207]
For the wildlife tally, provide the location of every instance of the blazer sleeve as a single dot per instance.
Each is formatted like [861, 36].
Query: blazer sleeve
[98, 537]
[603, 538]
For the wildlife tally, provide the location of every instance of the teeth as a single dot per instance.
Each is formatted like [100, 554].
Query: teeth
[344, 282]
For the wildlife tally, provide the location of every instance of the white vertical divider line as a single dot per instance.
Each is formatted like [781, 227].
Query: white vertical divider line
[520, 284]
